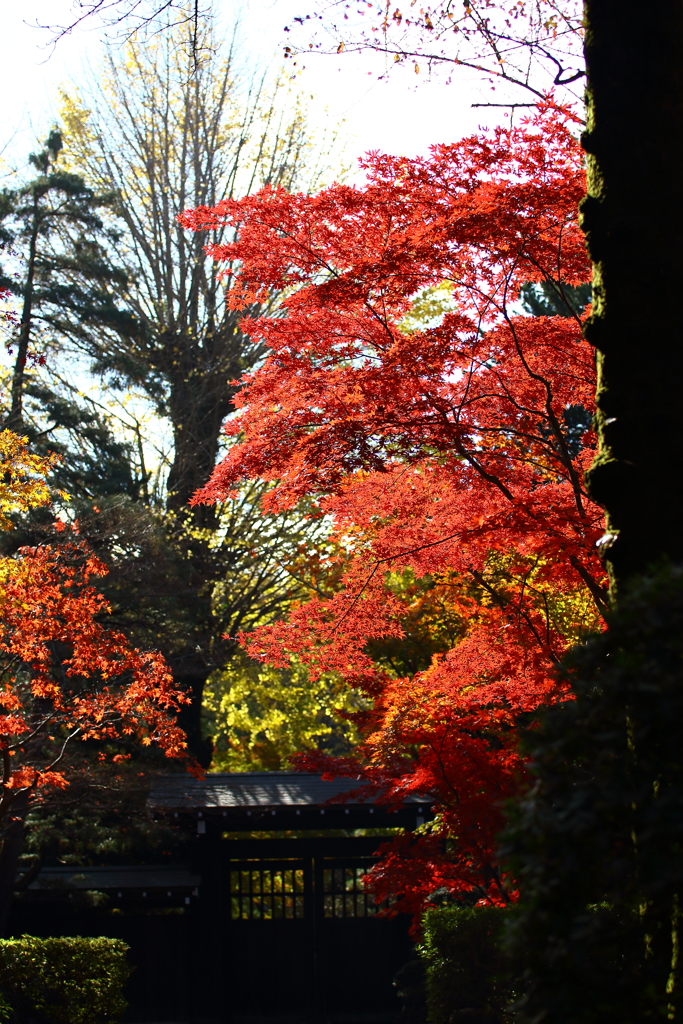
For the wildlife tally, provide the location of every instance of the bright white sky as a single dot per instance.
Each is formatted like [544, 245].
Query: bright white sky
[403, 115]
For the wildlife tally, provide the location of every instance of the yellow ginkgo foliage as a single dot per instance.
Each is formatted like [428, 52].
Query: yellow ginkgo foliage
[259, 716]
[22, 477]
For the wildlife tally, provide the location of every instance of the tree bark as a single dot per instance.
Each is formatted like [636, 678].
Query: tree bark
[633, 221]
[190, 671]
[199, 401]
[15, 419]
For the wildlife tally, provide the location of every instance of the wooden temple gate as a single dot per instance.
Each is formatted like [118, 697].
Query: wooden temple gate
[267, 922]
[304, 941]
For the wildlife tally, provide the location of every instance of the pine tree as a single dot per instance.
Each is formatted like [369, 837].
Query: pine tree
[52, 230]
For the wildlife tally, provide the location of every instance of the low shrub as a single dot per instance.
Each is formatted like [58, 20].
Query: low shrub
[62, 980]
[468, 976]
[409, 985]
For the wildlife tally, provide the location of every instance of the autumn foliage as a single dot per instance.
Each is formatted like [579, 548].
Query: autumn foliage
[445, 433]
[65, 676]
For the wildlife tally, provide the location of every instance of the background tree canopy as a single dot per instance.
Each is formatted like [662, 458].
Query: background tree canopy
[134, 343]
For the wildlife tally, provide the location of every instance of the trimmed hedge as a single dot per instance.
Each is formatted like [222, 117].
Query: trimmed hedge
[467, 973]
[62, 980]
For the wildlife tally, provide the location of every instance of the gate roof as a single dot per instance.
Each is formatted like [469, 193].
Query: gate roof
[219, 790]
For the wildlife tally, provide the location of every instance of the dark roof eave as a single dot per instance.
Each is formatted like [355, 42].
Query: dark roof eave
[233, 791]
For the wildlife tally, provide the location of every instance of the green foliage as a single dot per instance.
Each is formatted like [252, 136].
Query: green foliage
[52, 262]
[102, 814]
[5, 1009]
[63, 980]
[53, 230]
[465, 966]
[409, 985]
[260, 716]
[93, 461]
[433, 621]
[555, 298]
[598, 841]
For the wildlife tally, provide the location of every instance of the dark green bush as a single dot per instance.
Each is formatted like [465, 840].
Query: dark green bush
[597, 842]
[63, 980]
[466, 970]
[409, 985]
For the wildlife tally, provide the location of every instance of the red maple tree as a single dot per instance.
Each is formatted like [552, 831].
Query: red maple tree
[64, 676]
[445, 433]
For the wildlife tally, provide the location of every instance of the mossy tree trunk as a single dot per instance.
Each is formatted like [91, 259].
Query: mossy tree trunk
[633, 220]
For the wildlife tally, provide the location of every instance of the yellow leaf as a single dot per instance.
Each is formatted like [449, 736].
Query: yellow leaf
[22, 475]
[417, 69]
